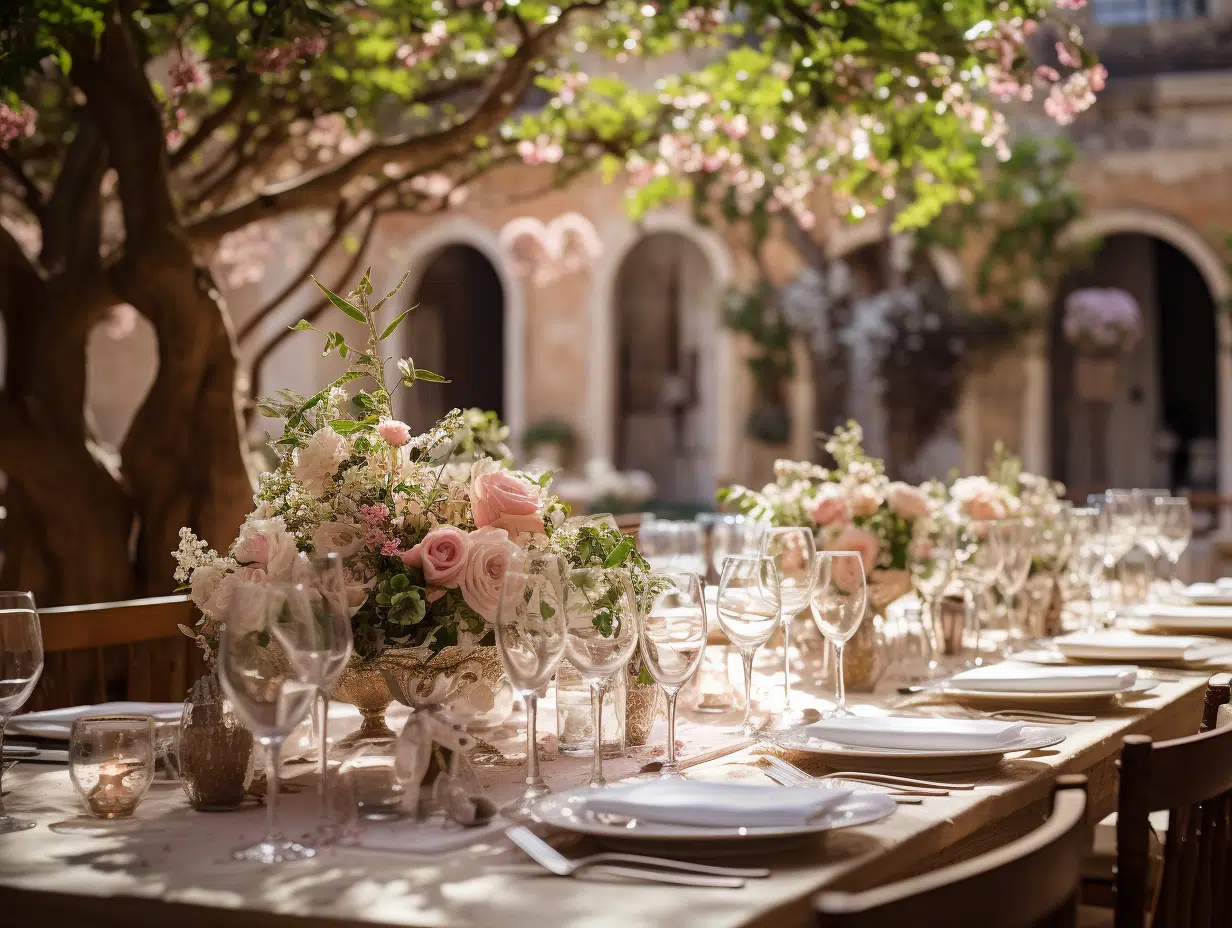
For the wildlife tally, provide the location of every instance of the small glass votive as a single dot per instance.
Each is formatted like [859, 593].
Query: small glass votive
[371, 786]
[111, 762]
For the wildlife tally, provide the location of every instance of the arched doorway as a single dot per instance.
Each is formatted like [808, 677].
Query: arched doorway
[1163, 429]
[666, 299]
[457, 330]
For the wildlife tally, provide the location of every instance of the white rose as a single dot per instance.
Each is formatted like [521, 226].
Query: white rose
[488, 555]
[340, 538]
[206, 581]
[266, 544]
[318, 461]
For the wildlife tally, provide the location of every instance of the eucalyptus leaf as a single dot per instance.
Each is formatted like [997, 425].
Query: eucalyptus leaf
[340, 303]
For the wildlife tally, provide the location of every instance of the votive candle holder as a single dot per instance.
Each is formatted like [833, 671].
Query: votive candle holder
[111, 762]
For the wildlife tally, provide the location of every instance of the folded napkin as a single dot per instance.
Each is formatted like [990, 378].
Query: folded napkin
[58, 723]
[1209, 593]
[1012, 676]
[914, 734]
[1124, 645]
[1188, 611]
[715, 805]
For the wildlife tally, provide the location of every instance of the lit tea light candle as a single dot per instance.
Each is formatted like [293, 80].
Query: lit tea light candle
[120, 787]
[111, 763]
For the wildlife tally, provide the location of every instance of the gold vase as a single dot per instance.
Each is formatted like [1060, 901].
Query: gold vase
[472, 673]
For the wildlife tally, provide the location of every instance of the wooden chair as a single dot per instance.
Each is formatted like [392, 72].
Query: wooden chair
[1191, 778]
[130, 650]
[1029, 883]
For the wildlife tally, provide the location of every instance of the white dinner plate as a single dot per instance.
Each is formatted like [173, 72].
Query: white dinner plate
[1201, 619]
[57, 724]
[1021, 699]
[1143, 648]
[958, 760]
[1209, 594]
[567, 811]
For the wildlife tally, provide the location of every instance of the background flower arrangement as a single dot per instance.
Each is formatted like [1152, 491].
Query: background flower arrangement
[426, 525]
[1102, 321]
[853, 506]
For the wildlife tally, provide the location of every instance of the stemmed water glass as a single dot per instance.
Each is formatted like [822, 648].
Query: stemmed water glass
[319, 645]
[1086, 561]
[21, 662]
[838, 601]
[749, 601]
[530, 634]
[930, 559]
[1148, 528]
[690, 547]
[601, 634]
[673, 641]
[1016, 538]
[259, 671]
[978, 560]
[1175, 530]
[794, 553]
[730, 535]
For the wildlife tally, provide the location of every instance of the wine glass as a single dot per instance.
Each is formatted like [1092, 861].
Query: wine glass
[259, 671]
[1175, 530]
[794, 553]
[748, 611]
[319, 645]
[729, 535]
[978, 559]
[673, 641]
[1086, 561]
[601, 634]
[530, 634]
[21, 662]
[1016, 538]
[690, 547]
[930, 559]
[655, 542]
[838, 602]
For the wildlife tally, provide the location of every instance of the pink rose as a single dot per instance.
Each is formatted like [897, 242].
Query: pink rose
[864, 502]
[830, 506]
[395, 432]
[907, 501]
[985, 506]
[859, 540]
[266, 544]
[490, 552]
[847, 574]
[441, 554]
[502, 500]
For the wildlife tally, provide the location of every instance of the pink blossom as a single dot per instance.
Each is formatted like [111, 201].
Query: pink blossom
[16, 123]
[392, 547]
[502, 500]
[374, 514]
[489, 555]
[907, 501]
[859, 540]
[394, 432]
[1067, 57]
[1071, 4]
[985, 506]
[830, 506]
[864, 502]
[374, 539]
[441, 554]
[281, 57]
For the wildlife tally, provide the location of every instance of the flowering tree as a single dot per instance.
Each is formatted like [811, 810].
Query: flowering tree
[141, 140]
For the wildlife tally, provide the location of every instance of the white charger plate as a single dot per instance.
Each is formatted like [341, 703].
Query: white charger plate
[567, 811]
[955, 760]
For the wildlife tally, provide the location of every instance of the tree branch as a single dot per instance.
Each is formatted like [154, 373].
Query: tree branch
[213, 122]
[72, 227]
[411, 153]
[31, 196]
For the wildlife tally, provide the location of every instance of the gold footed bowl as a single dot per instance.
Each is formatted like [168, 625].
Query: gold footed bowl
[475, 676]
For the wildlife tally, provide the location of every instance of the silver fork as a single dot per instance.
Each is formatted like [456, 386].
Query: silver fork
[1027, 715]
[783, 778]
[677, 872]
[900, 784]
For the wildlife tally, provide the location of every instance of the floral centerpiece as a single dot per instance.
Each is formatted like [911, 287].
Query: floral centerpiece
[426, 525]
[1102, 321]
[853, 506]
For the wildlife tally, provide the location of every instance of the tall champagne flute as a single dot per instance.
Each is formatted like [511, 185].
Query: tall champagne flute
[839, 598]
[320, 645]
[259, 672]
[1175, 531]
[601, 634]
[673, 641]
[1016, 538]
[794, 552]
[748, 610]
[978, 559]
[21, 663]
[930, 559]
[530, 635]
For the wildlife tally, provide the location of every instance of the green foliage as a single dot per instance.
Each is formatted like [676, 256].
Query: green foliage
[756, 315]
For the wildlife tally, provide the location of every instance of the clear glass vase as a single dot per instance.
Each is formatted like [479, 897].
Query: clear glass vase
[575, 730]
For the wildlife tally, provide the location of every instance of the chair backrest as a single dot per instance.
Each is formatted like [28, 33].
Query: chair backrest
[130, 650]
[1191, 778]
[1029, 883]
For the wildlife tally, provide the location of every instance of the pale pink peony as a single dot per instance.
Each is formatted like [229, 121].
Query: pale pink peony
[859, 540]
[318, 461]
[847, 573]
[441, 554]
[985, 506]
[340, 538]
[395, 432]
[830, 506]
[907, 501]
[864, 502]
[502, 500]
[266, 544]
[490, 552]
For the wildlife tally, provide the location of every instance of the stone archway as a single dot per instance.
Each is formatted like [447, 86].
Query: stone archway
[458, 265]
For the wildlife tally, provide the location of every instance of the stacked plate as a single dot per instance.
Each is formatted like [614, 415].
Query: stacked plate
[1187, 617]
[719, 817]
[917, 744]
[1121, 645]
[1218, 593]
[1017, 684]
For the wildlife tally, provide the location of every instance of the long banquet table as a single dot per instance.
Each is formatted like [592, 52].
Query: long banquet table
[170, 866]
